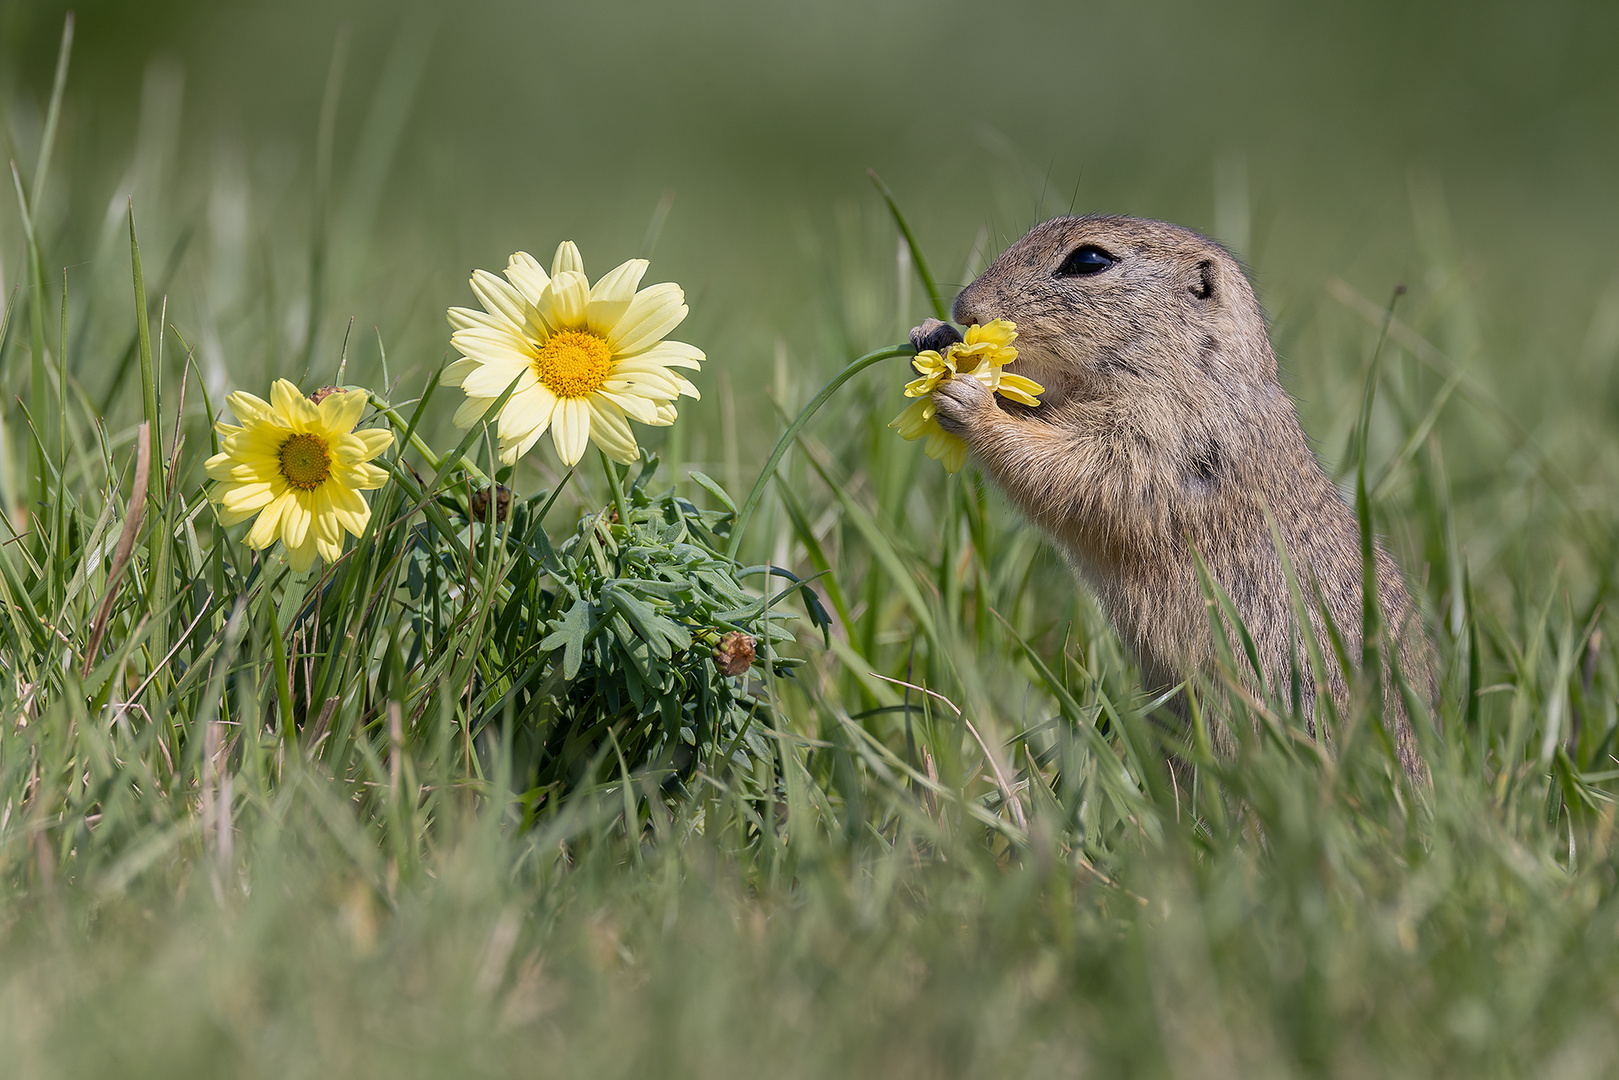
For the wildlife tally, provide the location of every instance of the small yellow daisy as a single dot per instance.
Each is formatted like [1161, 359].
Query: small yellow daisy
[298, 466]
[982, 354]
[587, 358]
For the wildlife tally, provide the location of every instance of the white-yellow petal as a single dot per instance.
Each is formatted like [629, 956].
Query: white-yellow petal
[525, 271]
[526, 410]
[491, 346]
[667, 354]
[500, 297]
[466, 318]
[611, 431]
[570, 429]
[492, 379]
[653, 313]
[471, 411]
[643, 409]
[610, 297]
[567, 258]
[566, 298]
[454, 373]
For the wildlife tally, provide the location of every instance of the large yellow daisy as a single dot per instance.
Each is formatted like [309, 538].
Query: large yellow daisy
[982, 354]
[587, 359]
[300, 467]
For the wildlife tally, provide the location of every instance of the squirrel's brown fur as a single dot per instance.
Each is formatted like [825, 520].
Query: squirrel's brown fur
[1164, 428]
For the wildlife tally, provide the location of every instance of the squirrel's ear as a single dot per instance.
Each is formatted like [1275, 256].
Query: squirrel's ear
[1202, 285]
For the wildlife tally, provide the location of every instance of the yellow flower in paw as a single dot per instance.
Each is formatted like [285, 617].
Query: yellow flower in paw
[982, 354]
[586, 358]
[299, 468]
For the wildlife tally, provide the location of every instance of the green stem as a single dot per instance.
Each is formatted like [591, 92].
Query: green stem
[934, 296]
[402, 426]
[143, 337]
[611, 469]
[283, 685]
[791, 435]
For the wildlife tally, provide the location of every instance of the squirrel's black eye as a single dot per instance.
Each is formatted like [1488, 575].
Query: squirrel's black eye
[1085, 259]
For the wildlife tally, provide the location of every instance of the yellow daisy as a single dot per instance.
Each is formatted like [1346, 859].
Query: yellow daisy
[587, 358]
[982, 354]
[300, 467]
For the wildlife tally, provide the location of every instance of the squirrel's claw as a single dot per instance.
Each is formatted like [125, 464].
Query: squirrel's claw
[935, 335]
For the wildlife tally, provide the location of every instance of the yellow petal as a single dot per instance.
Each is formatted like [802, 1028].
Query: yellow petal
[1020, 389]
[296, 411]
[246, 498]
[361, 475]
[268, 526]
[373, 441]
[249, 408]
[348, 508]
[295, 518]
[302, 557]
[339, 412]
[912, 422]
[998, 332]
[228, 518]
[218, 467]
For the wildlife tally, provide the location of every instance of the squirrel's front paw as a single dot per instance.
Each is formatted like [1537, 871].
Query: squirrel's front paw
[935, 335]
[960, 403]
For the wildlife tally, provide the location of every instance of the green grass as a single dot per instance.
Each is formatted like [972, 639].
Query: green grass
[272, 826]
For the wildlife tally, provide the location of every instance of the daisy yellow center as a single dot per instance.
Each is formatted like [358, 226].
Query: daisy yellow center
[306, 461]
[573, 363]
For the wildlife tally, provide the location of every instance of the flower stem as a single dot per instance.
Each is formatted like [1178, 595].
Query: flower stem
[791, 435]
[402, 425]
[283, 685]
[611, 469]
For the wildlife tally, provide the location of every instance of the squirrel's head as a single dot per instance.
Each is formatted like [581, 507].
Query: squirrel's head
[1104, 305]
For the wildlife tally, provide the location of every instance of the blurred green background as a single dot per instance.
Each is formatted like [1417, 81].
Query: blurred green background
[296, 166]
[1376, 141]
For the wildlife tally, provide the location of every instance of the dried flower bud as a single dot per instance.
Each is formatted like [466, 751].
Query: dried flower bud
[735, 654]
[478, 506]
[323, 393]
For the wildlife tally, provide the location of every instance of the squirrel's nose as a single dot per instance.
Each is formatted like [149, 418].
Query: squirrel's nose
[968, 311]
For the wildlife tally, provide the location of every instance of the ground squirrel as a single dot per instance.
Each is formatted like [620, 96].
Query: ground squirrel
[1164, 428]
